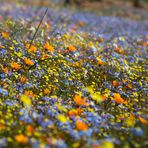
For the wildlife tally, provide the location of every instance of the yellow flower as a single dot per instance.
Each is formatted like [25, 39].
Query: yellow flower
[26, 100]
[130, 121]
[107, 144]
[96, 96]
[62, 118]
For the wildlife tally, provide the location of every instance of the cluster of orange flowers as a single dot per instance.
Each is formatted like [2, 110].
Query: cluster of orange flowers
[76, 112]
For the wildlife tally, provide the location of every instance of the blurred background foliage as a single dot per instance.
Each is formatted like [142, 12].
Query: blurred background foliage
[135, 3]
[132, 9]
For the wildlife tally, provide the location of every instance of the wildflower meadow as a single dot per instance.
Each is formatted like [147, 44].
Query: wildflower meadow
[73, 78]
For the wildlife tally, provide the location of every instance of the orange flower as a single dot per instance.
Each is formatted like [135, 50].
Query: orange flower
[129, 86]
[82, 24]
[100, 39]
[32, 48]
[142, 120]
[76, 64]
[29, 93]
[5, 35]
[71, 113]
[46, 91]
[74, 28]
[44, 56]
[21, 138]
[118, 98]
[1, 46]
[22, 79]
[81, 126]
[15, 66]
[49, 48]
[115, 83]
[28, 61]
[78, 100]
[118, 49]
[72, 48]
[2, 126]
[124, 80]
[100, 62]
[26, 93]
[74, 112]
[104, 97]
[4, 69]
[144, 44]
[30, 130]
[97, 146]
[78, 111]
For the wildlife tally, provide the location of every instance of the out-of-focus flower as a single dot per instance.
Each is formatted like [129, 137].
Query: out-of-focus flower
[4, 69]
[62, 118]
[81, 126]
[30, 130]
[130, 121]
[79, 100]
[5, 35]
[21, 138]
[107, 144]
[71, 113]
[29, 93]
[142, 120]
[119, 50]
[26, 100]
[115, 83]
[100, 62]
[72, 48]
[2, 126]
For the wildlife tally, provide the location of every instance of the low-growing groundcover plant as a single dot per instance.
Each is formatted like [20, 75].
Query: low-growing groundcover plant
[80, 83]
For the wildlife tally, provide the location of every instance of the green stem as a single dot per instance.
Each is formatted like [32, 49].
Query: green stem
[38, 28]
